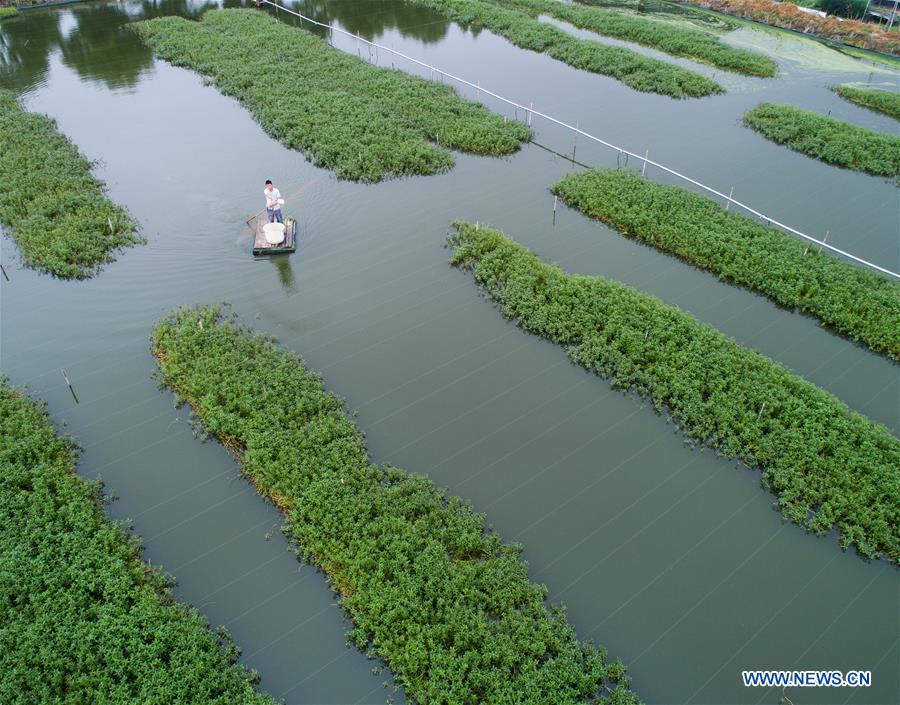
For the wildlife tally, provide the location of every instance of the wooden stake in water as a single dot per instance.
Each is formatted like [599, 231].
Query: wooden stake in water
[644, 168]
[555, 201]
[824, 240]
[5, 275]
[574, 145]
[730, 194]
[530, 109]
[69, 384]
[478, 89]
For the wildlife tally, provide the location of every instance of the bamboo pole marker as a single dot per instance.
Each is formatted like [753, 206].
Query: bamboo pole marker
[824, 240]
[5, 275]
[69, 384]
[728, 204]
[644, 168]
[575, 141]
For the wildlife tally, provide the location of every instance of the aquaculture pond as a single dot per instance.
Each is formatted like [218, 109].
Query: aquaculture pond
[670, 557]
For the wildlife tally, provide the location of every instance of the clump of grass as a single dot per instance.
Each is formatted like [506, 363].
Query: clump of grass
[881, 101]
[515, 24]
[830, 467]
[7, 13]
[855, 302]
[84, 620]
[667, 37]
[364, 122]
[56, 210]
[826, 139]
[444, 602]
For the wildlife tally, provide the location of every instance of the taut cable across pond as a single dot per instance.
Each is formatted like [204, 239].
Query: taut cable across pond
[530, 112]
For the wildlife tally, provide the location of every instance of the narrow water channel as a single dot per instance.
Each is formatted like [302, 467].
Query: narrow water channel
[672, 558]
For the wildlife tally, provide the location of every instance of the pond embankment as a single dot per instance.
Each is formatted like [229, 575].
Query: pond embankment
[855, 302]
[444, 602]
[56, 210]
[84, 619]
[829, 466]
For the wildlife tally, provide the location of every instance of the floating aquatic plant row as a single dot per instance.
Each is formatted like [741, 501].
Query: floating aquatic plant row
[856, 302]
[522, 29]
[446, 604]
[530, 113]
[82, 618]
[829, 466]
[55, 209]
[827, 139]
[881, 101]
[364, 122]
[667, 37]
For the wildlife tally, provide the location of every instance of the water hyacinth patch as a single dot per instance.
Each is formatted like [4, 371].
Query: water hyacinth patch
[881, 101]
[517, 24]
[827, 139]
[856, 302]
[667, 37]
[82, 618]
[444, 602]
[55, 209]
[829, 466]
[364, 122]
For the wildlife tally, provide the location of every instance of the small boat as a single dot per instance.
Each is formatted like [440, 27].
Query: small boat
[275, 238]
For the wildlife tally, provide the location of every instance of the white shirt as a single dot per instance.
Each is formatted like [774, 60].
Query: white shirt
[272, 195]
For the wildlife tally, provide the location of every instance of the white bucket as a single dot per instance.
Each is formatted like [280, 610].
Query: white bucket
[274, 233]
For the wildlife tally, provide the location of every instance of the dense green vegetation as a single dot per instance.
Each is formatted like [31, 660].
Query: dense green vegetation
[444, 603]
[670, 38]
[829, 140]
[522, 29]
[881, 101]
[56, 210]
[82, 618]
[856, 302]
[365, 122]
[828, 466]
[8, 13]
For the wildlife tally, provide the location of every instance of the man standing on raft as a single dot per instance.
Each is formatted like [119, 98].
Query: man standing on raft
[273, 203]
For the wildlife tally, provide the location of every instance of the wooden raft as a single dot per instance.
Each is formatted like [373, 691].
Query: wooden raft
[261, 247]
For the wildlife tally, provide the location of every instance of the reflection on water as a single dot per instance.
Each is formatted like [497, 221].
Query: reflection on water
[25, 47]
[100, 48]
[375, 17]
[94, 42]
[285, 272]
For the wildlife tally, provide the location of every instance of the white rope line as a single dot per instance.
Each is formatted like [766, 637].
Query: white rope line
[642, 158]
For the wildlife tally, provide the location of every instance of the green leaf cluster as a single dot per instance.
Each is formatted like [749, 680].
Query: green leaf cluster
[56, 210]
[439, 598]
[364, 122]
[830, 467]
[82, 618]
[881, 101]
[856, 302]
[827, 139]
[516, 23]
[7, 13]
[667, 37]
